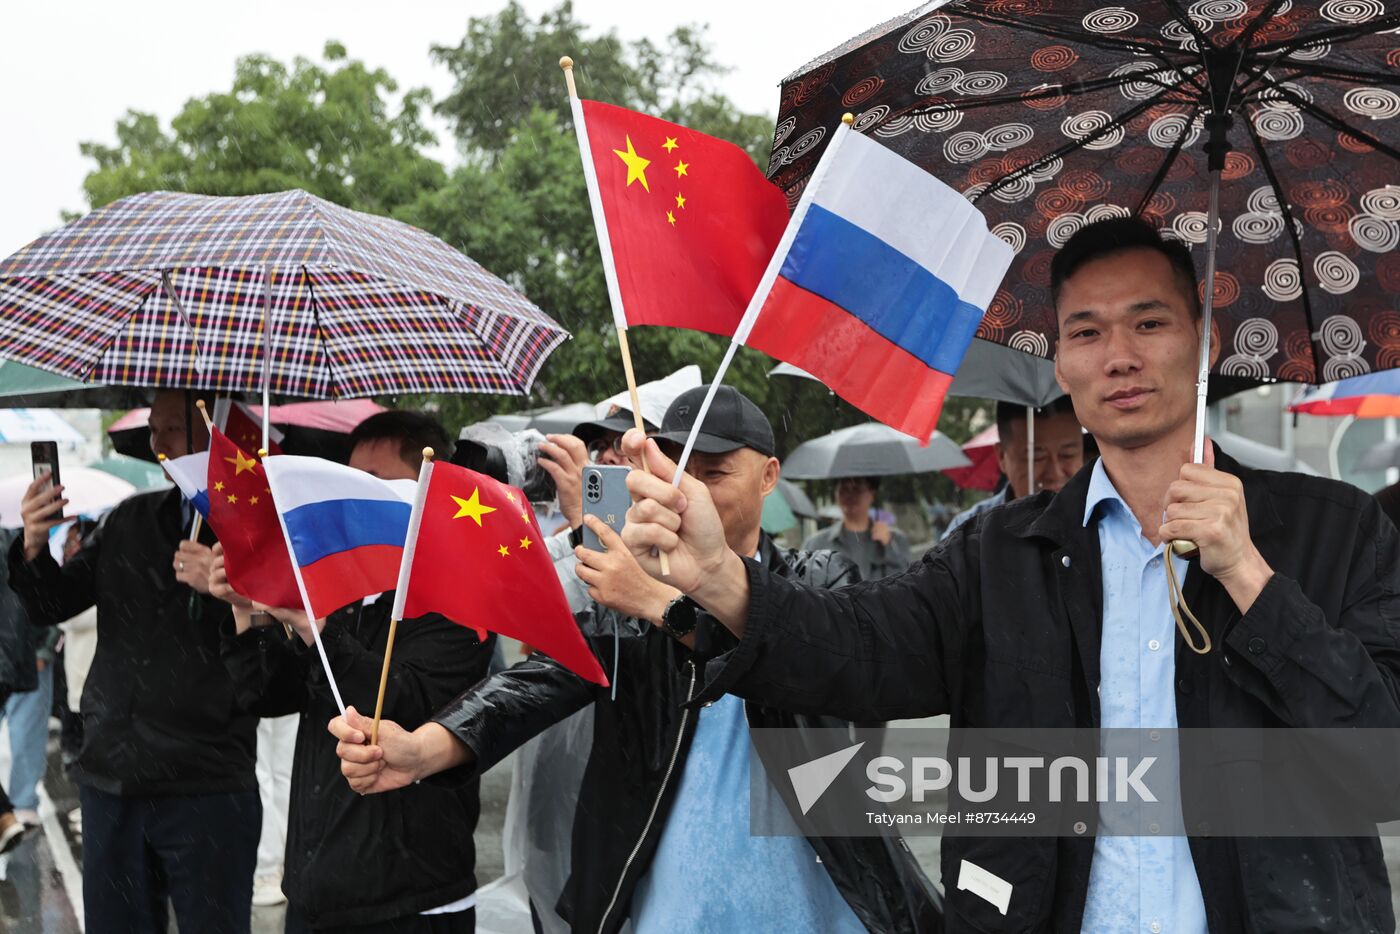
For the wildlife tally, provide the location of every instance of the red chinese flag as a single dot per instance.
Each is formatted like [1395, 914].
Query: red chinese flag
[691, 219]
[245, 430]
[242, 515]
[480, 560]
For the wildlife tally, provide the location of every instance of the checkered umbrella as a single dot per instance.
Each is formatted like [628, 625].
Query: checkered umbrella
[169, 289]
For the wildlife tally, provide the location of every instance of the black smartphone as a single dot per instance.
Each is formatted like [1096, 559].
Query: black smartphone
[605, 496]
[44, 455]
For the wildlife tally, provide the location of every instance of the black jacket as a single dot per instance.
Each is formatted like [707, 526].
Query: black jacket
[640, 742]
[159, 716]
[17, 671]
[355, 860]
[1000, 627]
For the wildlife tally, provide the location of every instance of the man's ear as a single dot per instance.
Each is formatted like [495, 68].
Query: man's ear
[1214, 340]
[1058, 377]
[772, 468]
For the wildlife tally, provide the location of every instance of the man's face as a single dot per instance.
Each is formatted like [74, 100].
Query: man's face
[738, 481]
[855, 496]
[380, 458]
[606, 449]
[169, 417]
[1128, 347]
[1059, 453]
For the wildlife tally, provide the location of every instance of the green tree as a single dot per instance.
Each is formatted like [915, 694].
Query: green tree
[330, 129]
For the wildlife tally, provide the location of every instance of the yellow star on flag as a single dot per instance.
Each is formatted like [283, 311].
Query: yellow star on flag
[525, 543]
[680, 169]
[472, 507]
[242, 463]
[670, 144]
[232, 498]
[510, 497]
[504, 551]
[219, 486]
[636, 165]
[680, 201]
[253, 501]
[670, 218]
[525, 516]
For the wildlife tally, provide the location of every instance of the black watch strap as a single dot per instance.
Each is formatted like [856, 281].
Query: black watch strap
[576, 537]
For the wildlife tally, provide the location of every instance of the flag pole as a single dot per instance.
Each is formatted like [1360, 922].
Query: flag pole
[600, 224]
[765, 286]
[410, 546]
[198, 523]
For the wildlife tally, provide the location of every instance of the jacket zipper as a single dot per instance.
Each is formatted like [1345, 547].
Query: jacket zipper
[655, 805]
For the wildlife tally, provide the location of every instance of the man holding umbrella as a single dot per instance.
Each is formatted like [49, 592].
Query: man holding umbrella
[169, 798]
[1304, 619]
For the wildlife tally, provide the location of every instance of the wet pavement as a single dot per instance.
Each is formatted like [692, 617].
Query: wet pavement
[41, 885]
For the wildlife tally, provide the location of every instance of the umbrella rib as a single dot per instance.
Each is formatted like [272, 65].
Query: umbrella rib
[1066, 149]
[1167, 163]
[320, 331]
[1264, 16]
[1341, 74]
[1290, 225]
[1058, 90]
[1111, 45]
[112, 341]
[1340, 34]
[1330, 119]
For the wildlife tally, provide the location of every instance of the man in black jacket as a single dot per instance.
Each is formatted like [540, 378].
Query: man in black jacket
[1051, 613]
[402, 864]
[169, 799]
[661, 833]
[17, 675]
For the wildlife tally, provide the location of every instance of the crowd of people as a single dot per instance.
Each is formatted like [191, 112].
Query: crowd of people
[646, 825]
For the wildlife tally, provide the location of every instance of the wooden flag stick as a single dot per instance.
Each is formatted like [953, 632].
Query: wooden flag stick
[605, 253]
[405, 564]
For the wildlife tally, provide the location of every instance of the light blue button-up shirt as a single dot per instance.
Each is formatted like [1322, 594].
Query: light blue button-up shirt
[1139, 884]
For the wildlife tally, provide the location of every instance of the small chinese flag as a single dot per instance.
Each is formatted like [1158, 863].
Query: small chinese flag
[244, 427]
[242, 514]
[479, 559]
[691, 220]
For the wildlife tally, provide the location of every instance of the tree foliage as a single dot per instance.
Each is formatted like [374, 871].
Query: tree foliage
[516, 202]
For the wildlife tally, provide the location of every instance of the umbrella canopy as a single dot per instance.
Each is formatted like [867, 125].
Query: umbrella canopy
[989, 371]
[1375, 395]
[90, 492]
[777, 515]
[870, 450]
[319, 429]
[984, 472]
[563, 419]
[798, 502]
[170, 289]
[1380, 456]
[141, 474]
[1051, 115]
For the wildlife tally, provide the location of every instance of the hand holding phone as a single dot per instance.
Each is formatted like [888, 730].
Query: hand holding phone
[42, 508]
[605, 496]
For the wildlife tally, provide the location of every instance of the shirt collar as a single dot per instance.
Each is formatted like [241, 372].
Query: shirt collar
[1101, 489]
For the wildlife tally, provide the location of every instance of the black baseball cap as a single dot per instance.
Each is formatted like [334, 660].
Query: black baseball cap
[619, 421]
[733, 422]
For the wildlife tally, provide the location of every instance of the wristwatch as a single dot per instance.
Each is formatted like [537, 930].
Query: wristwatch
[680, 617]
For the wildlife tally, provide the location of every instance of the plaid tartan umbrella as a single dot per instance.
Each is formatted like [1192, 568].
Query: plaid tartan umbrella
[170, 289]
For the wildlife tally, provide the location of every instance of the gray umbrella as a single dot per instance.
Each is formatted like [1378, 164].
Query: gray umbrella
[870, 450]
[1380, 456]
[799, 502]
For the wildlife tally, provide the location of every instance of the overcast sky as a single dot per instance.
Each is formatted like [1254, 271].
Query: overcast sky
[71, 69]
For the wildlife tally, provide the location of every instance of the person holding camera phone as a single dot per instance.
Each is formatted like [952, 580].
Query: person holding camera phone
[165, 774]
[661, 833]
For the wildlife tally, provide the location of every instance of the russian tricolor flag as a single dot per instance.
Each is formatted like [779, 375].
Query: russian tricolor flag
[345, 528]
[878, 284]
[191, 474]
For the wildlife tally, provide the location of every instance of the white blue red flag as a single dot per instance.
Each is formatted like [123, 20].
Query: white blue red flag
[345, 529]
[878, 284]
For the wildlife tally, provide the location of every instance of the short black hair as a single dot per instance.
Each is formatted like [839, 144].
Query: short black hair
[1114, 235]
[1008, 413]
[414, 431]
[872, 482]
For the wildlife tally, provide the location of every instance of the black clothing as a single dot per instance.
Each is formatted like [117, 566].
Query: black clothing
[1000, 626]
[640, 742]
[354, 860]
[158, 708]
